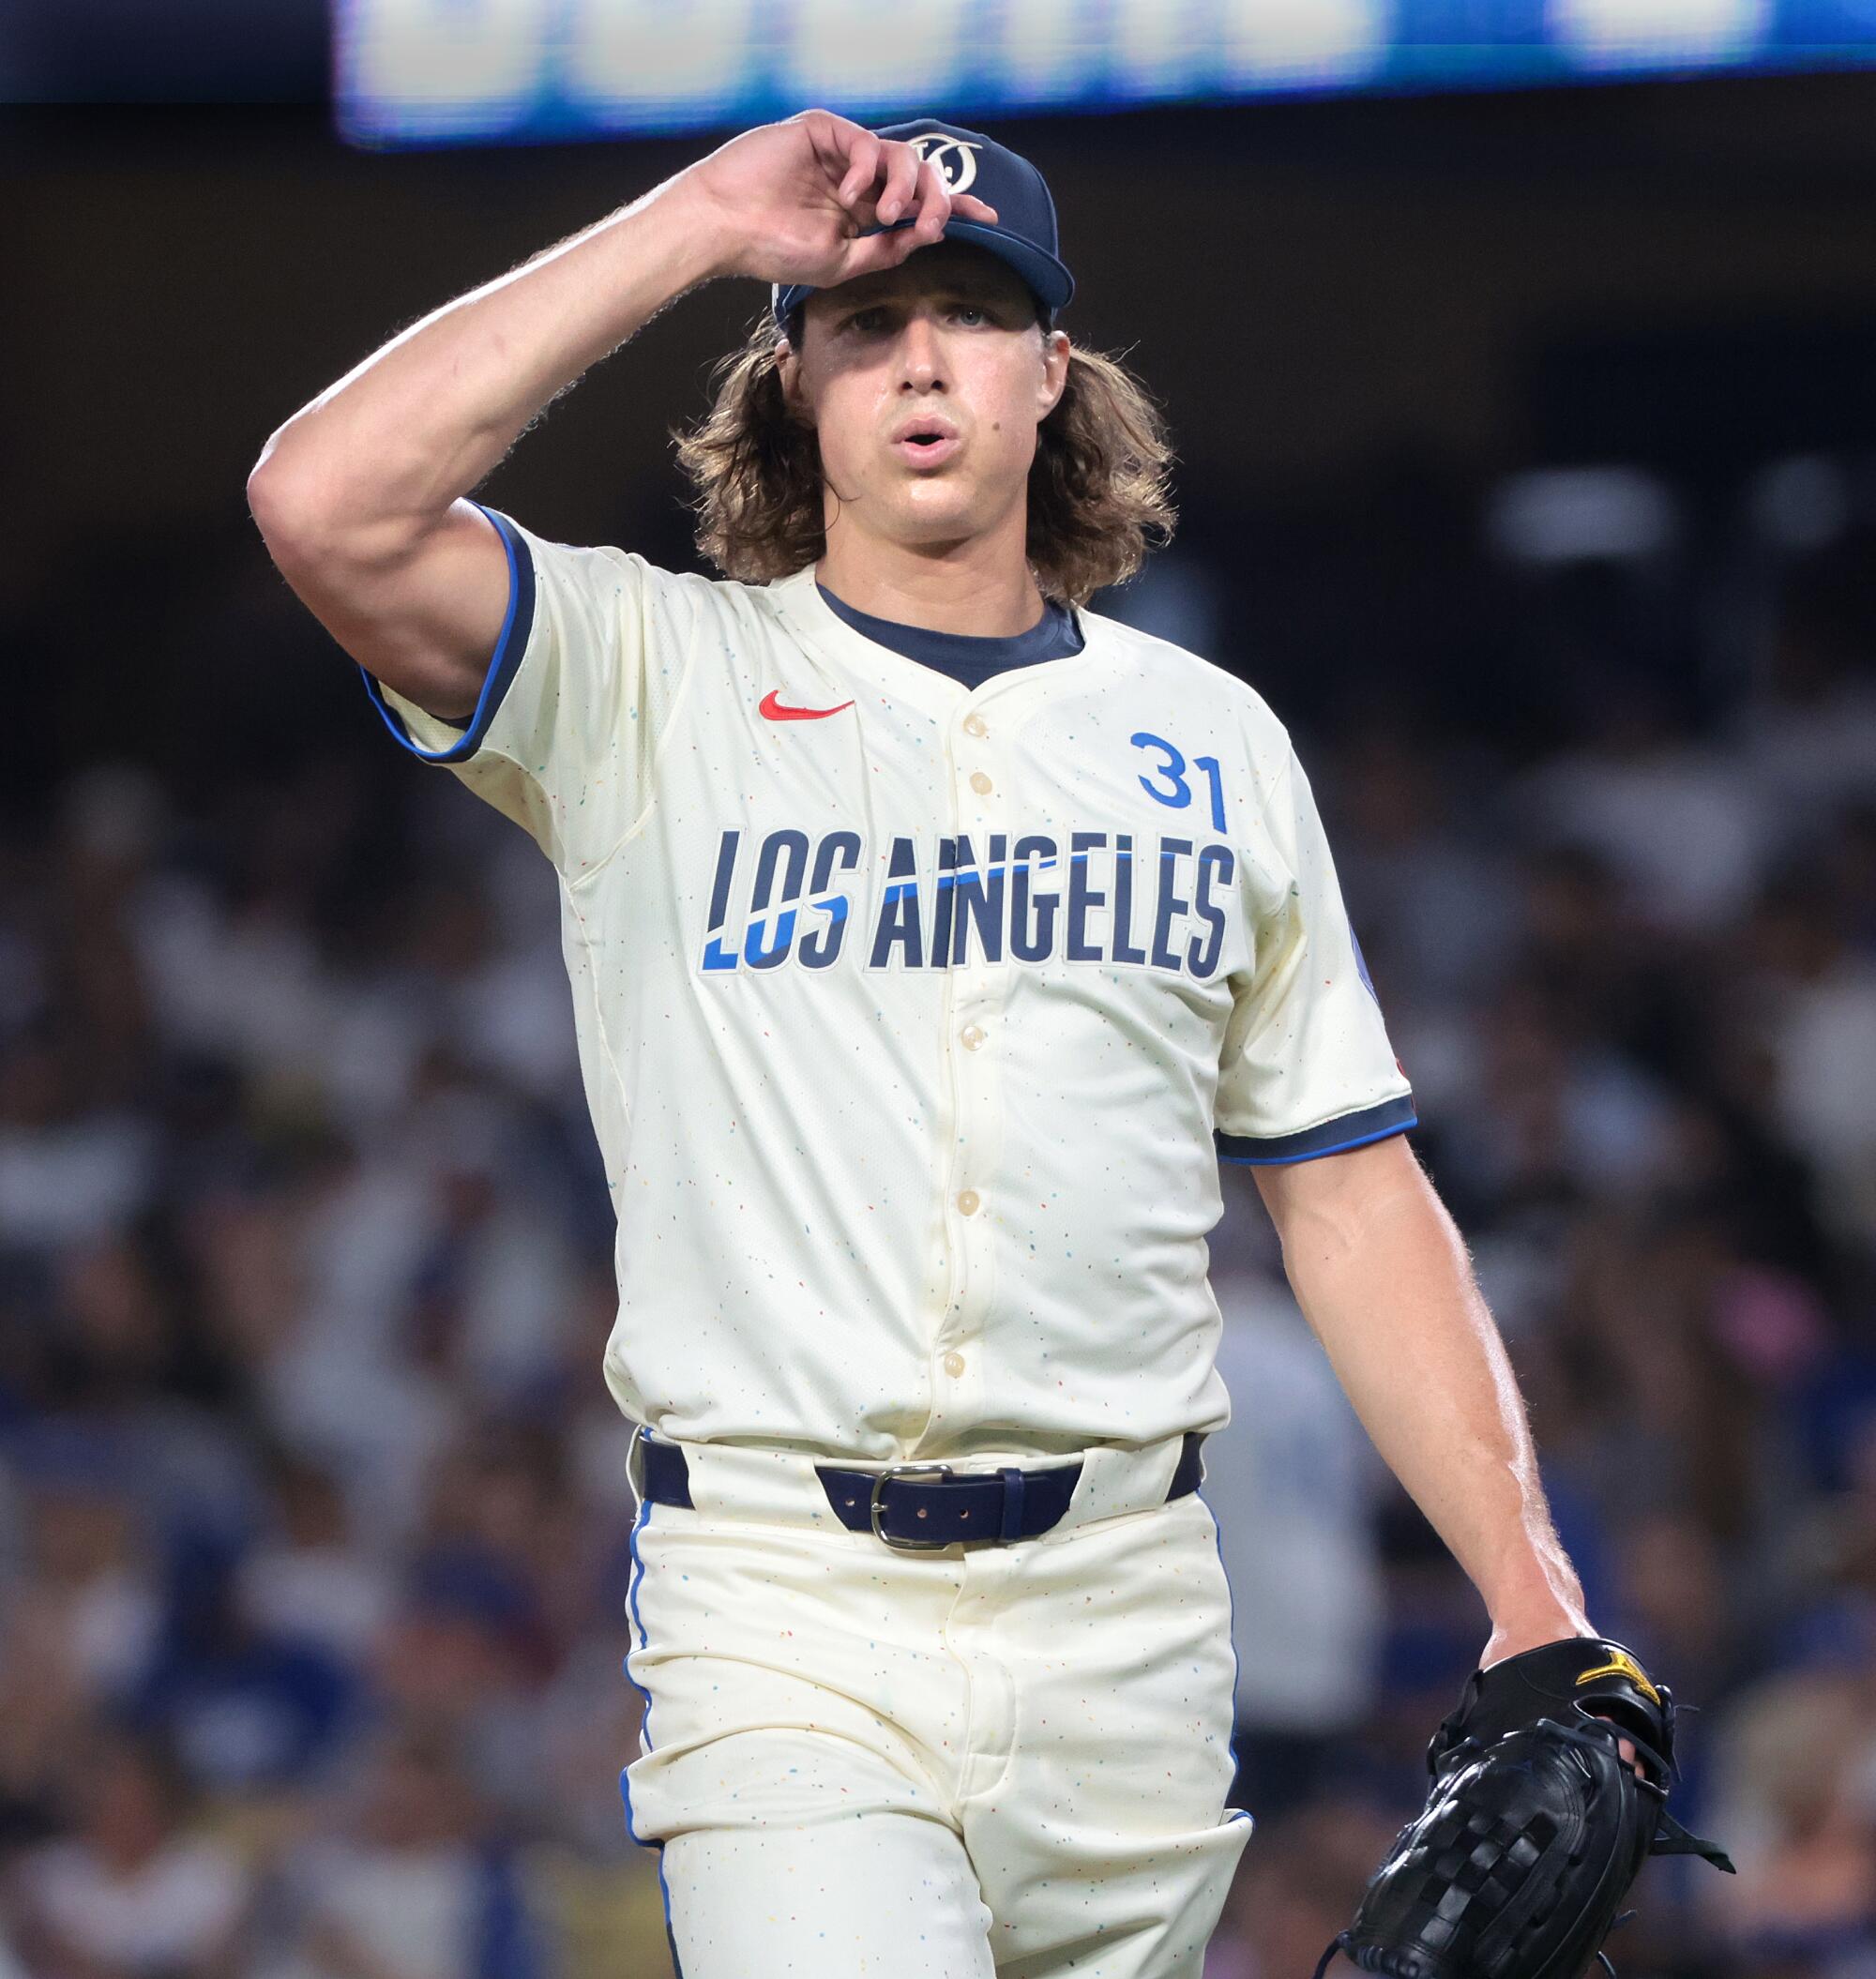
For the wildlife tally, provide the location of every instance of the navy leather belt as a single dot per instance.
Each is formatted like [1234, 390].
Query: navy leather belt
[917, 1508]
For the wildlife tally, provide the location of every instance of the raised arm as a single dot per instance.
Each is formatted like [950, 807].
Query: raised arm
[360, 494]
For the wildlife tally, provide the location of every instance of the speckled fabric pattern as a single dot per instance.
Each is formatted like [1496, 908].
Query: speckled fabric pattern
[914, 1018]
[1010, 1759]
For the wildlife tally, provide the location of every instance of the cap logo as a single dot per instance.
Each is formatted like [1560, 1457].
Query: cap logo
[954, 158]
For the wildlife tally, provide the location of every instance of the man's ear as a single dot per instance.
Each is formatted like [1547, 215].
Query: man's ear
[788, 375]
[1054, 372]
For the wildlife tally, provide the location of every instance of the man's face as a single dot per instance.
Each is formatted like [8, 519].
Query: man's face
[925, 385]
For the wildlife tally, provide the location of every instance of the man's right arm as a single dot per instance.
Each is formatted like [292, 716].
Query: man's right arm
[360, 495]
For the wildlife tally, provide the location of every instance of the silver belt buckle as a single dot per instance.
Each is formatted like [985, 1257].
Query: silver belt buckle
[876, 1511]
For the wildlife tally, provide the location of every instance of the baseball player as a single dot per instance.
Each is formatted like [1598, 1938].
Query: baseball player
[930, 938]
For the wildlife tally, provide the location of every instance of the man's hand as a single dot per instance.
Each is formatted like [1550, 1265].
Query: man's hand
[1508, 1641]
[790, 201]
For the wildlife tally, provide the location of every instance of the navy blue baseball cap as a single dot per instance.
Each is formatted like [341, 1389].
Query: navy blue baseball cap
[1024, 234]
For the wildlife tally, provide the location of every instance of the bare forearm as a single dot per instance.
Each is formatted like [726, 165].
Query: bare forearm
[359, 496]
[423, 420]
[1382, 1276]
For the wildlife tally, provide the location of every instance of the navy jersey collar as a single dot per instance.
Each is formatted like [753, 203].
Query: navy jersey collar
[965, 656]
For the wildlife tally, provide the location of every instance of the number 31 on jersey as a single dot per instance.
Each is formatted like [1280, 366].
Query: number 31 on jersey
[1167, 783]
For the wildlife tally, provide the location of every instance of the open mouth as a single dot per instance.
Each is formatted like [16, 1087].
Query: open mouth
[925, 445]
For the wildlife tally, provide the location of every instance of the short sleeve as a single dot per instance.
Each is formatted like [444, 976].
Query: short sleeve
[1307, 1068]
[585, 672]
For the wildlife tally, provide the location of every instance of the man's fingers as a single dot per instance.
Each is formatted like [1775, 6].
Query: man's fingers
[836, 142]
[934, 204]
[934, 207]
[862, 170]
[967, 205]
[901, 164]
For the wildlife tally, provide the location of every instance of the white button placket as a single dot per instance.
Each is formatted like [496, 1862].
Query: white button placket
[976, 995]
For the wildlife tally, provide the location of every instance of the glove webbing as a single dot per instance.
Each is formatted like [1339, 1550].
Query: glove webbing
[1406, 1966]
[1495, 1848]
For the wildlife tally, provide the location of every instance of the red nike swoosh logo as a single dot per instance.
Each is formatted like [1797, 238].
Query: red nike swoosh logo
[772, 707]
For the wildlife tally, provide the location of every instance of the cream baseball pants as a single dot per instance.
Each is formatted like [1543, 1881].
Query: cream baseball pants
[863, 1763]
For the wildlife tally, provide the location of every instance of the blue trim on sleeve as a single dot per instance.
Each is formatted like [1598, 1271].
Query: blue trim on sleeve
[1332, 1137]
[517, 627]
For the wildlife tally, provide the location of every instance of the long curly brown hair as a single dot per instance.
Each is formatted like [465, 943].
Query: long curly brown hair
[1098, 492]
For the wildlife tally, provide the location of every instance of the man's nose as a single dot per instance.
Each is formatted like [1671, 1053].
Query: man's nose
[921, 354]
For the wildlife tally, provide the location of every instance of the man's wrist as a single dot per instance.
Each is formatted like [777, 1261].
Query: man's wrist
[714, 243]
[1542, 1603]
[1515, 1630]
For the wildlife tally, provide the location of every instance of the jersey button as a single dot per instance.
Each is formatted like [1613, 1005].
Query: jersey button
[971, 1037]
[969, 1202]
[953, 1365]
[980, 783]
[975, 724]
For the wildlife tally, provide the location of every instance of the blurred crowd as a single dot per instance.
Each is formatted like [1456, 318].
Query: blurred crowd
[313, 1512]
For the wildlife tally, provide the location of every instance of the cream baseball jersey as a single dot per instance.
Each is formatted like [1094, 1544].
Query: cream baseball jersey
[915, 1019]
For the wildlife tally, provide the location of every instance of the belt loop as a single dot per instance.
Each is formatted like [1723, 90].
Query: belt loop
[1012, 1506]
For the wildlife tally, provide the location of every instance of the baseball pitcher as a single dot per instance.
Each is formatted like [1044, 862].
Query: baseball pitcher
[931, 937]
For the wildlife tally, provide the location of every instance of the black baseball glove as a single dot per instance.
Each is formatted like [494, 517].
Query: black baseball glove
[1534, 1827]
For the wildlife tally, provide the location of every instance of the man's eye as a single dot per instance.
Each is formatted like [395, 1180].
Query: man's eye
[972, 311]
[864, 319]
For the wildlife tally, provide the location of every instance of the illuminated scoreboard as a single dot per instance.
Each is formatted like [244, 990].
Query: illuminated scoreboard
[442, 71]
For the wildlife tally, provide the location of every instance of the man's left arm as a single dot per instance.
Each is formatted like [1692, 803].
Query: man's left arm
[1310, 1092]
[1386, 1283]
[1382, 1276]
